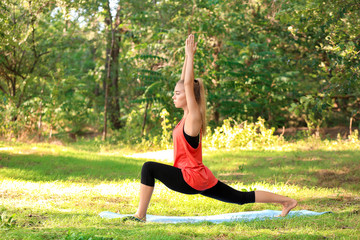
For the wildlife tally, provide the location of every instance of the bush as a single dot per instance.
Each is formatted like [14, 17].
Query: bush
[244, 135]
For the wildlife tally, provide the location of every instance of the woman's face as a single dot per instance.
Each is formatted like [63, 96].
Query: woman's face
[179, 96]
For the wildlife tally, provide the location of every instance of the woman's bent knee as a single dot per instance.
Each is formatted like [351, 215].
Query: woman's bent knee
[147, 175]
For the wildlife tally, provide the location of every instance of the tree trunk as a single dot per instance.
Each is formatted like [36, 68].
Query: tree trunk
[145, 117]
[104, 135]
[114, 105]
[40, 119]
[108, 22]
[112, 69]
[216, 79]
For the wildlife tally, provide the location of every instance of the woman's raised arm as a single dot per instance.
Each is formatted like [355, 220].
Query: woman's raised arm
[193, 120]
[183, 69]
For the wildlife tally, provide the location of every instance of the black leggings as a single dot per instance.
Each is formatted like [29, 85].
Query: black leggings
[172, 177]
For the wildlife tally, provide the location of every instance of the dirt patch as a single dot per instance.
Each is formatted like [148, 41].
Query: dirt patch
[338, 177]
[311, 159]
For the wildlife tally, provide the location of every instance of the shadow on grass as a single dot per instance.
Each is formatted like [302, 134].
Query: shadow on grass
[73, 168]
[334, 204]
[327, 169]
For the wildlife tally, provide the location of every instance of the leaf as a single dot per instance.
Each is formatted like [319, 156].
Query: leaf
[152, 88]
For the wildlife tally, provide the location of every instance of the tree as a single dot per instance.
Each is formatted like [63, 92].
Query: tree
[327, 41]
[20, 52]
[78, 65]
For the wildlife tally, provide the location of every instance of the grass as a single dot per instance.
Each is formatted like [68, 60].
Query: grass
[56, 192]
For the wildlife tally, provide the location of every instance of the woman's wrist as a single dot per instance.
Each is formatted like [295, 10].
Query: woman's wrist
[190, 56]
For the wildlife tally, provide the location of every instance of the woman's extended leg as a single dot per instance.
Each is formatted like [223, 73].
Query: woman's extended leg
[268, 197]
[225, 193]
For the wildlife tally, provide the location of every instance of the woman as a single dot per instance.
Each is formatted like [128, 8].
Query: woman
[189, 175]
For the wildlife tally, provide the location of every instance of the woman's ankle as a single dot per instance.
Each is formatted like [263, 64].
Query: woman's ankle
[142, 217]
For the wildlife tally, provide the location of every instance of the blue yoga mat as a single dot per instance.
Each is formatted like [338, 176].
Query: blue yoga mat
[229, 217]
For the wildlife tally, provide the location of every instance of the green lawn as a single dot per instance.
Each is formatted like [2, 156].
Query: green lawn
[56, 192]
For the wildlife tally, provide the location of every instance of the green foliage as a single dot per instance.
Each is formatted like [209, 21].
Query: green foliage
[354, 137]
[7, 222]
[315, 110]
[9, 128]
[166, 136]
[257, 59]
[245, 135]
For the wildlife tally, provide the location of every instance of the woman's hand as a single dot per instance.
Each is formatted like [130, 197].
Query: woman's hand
[190, 46]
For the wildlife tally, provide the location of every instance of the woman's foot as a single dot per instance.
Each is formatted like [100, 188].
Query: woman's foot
[287, 206]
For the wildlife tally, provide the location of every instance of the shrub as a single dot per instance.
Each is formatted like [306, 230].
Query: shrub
[244, 135]
[166, 140]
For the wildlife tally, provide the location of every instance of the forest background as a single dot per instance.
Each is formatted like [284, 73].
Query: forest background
[108, 68]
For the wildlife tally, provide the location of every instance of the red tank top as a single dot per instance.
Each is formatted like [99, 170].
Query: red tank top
[189, 160]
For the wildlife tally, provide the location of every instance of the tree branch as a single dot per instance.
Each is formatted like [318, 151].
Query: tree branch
[21, 59]
[16, 73]
[3, 90]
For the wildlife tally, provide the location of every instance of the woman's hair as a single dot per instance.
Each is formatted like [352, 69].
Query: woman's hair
[199, 92]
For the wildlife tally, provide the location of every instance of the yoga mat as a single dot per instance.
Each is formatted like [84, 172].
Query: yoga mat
[229, 217]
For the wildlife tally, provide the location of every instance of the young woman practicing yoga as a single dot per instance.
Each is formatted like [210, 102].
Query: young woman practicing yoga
[189, 175]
